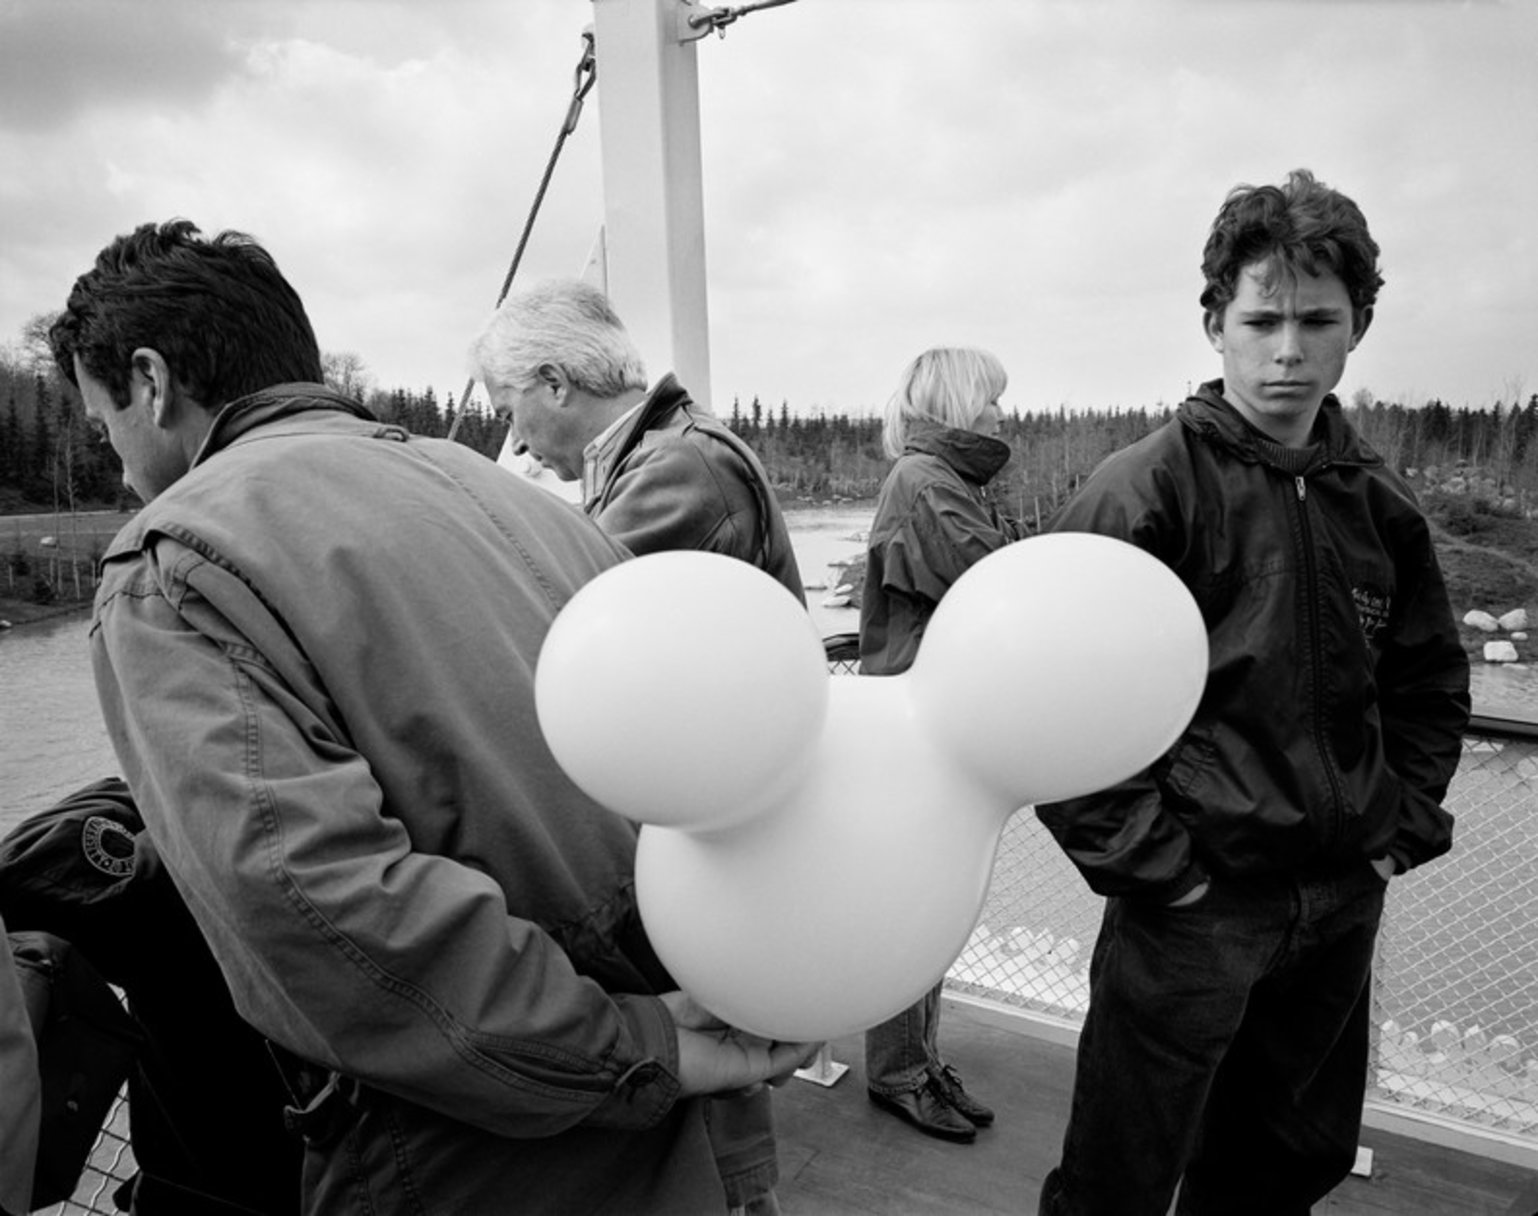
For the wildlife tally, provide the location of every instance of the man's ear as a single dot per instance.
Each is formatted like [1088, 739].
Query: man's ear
[554, 379]
[1361, 320]
[151, 382]
[1212, 326]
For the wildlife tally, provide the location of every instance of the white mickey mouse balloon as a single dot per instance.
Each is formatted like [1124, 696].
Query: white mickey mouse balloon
[817, 849]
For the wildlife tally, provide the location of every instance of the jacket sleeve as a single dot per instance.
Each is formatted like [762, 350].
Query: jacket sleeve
[81, 870]
[1124, 842]
[928, 541]
[20, 1089]
[673, 495]
[945, 534]
[1123, 839]
[1423, 697]
[340, 942]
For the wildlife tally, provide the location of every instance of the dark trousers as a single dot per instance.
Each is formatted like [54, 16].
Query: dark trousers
[1225, 1042]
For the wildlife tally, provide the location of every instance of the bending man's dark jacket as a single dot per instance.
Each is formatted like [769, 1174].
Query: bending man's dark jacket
[205, 1100]
[677, 477]
[1337, 689]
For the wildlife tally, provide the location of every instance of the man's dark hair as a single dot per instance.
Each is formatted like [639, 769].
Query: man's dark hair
[1303, 226]
[218, 311]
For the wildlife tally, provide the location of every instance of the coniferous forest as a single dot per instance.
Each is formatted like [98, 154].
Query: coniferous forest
[1475, 468]
[52, 459]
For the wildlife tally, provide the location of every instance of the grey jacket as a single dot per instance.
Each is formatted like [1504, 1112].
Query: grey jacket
[315, 657]
[676, 477]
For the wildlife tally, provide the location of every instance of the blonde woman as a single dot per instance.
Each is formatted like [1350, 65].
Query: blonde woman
[933, 520]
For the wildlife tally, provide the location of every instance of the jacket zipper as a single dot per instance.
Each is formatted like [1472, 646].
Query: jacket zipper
[1316, 661]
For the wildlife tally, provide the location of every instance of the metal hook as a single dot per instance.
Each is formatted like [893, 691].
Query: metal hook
[583, 79]
[717, 19]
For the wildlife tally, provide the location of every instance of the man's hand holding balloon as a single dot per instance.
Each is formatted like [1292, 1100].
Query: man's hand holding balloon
[716, 1058]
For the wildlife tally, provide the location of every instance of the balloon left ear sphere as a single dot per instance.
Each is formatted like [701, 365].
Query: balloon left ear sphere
[683, 689]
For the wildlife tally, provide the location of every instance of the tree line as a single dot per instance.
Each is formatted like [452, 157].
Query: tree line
[52, 459]
[1488, 452]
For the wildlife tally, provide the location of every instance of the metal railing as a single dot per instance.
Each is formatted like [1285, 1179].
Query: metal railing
[111, 1165]
[1455, 981]
[1455, 985]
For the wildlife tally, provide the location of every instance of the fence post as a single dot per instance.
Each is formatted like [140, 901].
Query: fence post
[824, 1070]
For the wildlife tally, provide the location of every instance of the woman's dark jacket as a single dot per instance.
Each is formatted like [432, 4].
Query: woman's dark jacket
[933, 520]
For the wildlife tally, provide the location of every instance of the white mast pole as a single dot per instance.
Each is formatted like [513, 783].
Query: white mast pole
[654, 211]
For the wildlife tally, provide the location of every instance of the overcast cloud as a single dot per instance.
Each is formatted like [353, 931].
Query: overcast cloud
[1032, 176]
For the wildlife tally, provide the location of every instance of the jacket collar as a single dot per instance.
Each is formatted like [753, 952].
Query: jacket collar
[281, 401]
[609, 450]
[660, 403]
[977, 458]
[1334, 441]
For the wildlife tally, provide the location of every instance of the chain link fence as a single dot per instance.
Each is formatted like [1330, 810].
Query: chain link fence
[1456, 992]
[1455, 997]
[110, 1166]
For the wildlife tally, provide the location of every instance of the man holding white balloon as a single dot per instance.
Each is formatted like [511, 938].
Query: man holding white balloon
[314, 650]
[1225, 1048]
[659, 475]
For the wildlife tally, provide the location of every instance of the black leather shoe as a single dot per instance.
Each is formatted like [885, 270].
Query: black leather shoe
[927, 1109]
[948, 1080]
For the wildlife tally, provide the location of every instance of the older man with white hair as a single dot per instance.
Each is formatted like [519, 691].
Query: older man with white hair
[658, 472]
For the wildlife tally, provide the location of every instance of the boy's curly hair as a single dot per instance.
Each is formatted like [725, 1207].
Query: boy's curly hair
[1304, 226]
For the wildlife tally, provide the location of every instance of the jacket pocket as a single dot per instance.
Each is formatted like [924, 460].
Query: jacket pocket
[1188, 767]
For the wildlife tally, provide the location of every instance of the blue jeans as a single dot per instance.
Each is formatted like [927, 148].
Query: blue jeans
[741, 1129]
[1227, 1042]
[899, 1051]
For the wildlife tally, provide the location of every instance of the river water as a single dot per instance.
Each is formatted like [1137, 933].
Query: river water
[52, 741]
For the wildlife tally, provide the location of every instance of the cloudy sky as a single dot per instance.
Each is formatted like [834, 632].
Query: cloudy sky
[1032, 176]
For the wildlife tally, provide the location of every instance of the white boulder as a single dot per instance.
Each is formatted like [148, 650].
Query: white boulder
[1444, 1036]
[1513, 620]
[1500, 652]
[1482, 621]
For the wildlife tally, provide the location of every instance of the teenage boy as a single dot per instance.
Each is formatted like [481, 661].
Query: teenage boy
[1226, 1039]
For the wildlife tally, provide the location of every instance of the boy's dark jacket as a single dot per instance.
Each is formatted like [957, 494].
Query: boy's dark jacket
[1337, 688]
